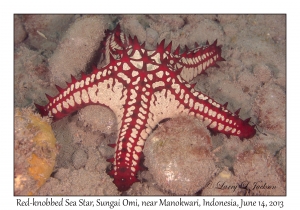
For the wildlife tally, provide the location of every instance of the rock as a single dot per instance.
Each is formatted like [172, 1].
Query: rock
[270, 108]
[223, 184]
[34, 151]
[259, 173]
[98, 118]
[19, 34]
[79, 159]
[77, 47]
[178, 155]
[262, 72]
[44, 31]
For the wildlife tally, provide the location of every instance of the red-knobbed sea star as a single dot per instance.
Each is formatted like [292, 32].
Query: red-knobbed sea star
[143, 87]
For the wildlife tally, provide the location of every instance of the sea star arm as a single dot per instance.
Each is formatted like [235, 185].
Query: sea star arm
[100, 87]
[177, 97]
[196, 61]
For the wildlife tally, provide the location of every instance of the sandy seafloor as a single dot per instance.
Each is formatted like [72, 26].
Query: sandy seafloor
[49, 48]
